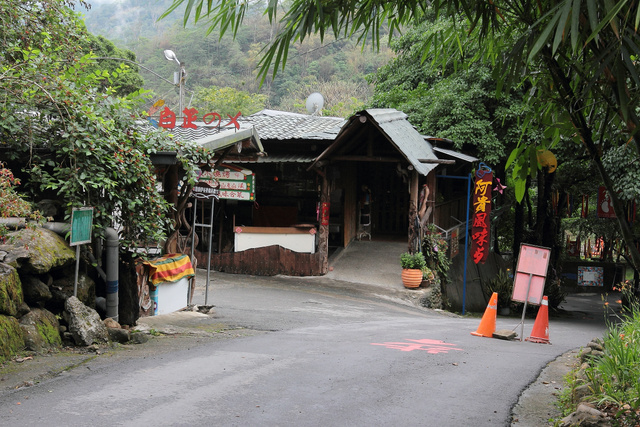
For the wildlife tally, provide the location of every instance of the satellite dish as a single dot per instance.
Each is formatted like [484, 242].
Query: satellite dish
[314, 103]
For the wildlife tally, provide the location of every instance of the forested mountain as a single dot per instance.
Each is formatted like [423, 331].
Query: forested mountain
[336, 68]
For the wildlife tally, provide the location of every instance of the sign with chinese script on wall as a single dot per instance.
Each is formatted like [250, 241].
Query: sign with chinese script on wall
[455, 244]
[233, 184]
[480, 225]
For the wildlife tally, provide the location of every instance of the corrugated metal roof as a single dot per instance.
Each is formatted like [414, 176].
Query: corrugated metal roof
[212, 137]
[227, 137]
[405, 137]
[281, 125]
[455, 154]
[283, 158]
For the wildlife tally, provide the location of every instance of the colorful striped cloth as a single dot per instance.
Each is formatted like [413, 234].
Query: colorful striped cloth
[169, 268]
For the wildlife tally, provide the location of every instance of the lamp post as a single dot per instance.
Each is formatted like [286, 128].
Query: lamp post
[178, 78]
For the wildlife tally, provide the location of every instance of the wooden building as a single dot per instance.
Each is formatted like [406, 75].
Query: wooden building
[321, 182]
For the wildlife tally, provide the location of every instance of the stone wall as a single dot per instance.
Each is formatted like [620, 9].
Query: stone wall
[37, 276]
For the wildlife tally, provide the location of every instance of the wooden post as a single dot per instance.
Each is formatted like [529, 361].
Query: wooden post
[323, 228]
[414, 193]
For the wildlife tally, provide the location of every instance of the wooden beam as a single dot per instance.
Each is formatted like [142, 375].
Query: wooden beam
[439, 161]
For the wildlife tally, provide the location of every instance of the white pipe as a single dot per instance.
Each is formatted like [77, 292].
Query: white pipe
[14, 222]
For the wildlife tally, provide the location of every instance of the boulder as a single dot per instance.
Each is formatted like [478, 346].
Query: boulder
[11, 297]
[110, 323]
[586, 416]
[11, 341]
[37, 250]
[139, 337]
[119, 335]
[40, 330]
[35, 291]
[84, 323]
[581, 392]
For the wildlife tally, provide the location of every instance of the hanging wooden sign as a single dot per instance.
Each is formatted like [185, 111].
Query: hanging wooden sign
[480, 228]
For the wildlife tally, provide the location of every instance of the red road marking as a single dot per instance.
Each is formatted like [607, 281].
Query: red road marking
[430, 346]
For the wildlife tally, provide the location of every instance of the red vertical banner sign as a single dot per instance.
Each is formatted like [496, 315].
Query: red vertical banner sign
[480, 226]
[605, 209]
[324, 214]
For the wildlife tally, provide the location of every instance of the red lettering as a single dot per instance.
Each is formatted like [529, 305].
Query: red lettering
[213, 117]
[167, 119]
[478, 254]
[234, 120]
[480, 220]
[190, 115]
[480, 237]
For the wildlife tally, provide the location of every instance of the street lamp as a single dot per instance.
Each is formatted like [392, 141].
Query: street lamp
[178, 76]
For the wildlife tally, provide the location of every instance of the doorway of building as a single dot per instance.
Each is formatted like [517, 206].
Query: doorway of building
[389, 198]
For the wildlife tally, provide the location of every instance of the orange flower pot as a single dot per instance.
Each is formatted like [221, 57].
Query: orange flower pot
[411, 277]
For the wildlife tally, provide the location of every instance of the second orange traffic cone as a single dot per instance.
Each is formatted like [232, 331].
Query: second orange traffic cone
[488, 323]
[540, 332]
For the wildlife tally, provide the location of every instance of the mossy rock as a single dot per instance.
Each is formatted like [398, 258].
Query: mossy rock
[41, 330]
[11, 341]
[37, 251]
[10, 290]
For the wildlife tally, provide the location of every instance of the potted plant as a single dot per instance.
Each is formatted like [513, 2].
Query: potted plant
[428, 276]
[412, 265]
[502, 284]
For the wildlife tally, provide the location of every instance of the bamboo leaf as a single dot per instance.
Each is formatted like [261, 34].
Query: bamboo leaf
[562, 24]
[609, 19]
[544, 36]
[575, 24]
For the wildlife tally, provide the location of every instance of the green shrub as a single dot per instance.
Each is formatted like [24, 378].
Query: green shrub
[409, 260]
[501, 284]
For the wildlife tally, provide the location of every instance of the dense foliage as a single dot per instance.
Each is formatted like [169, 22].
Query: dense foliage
[337, 68]
[63, 125]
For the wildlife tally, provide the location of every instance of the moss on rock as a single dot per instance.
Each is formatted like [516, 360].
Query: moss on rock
[41, 330]
[10, 290]
[37, 251]
[11, 341]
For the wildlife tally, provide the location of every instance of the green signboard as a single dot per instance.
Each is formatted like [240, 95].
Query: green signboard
[81, 226]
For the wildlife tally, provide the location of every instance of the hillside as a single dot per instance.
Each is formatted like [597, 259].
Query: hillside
[336, 68]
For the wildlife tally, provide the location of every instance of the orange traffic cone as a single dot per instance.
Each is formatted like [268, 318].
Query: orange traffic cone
[540, 332]
[488, 323]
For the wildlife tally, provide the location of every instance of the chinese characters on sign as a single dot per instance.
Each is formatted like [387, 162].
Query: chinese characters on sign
[168, 119]
[480, 228]
[233, 184]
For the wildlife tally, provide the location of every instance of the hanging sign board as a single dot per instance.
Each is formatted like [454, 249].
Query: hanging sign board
[233, 184]
[81, 226]
[204, 190]
[605, 209]
[480, 228]
[531, 273]
[454, 246]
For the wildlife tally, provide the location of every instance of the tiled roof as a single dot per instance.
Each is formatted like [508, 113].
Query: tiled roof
[281, 125]
[405, 137]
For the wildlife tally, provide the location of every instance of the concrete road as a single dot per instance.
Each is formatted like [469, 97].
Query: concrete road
[327, 355]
